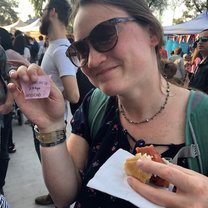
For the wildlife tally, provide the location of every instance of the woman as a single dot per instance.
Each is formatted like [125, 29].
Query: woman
[142, 105]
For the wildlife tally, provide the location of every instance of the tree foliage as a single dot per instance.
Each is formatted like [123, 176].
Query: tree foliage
[197, 6]
[157, 5]
[7, 12]
[153, 4]
[37, 5]
[192, 9]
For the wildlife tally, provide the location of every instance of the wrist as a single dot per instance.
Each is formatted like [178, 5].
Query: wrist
[52, 138]
[52, 127]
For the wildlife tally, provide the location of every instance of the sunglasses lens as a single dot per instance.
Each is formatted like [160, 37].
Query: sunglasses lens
[204, 39]
[104, 37]
[78, 53]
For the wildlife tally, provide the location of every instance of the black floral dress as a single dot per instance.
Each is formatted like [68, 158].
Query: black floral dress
[110, 137]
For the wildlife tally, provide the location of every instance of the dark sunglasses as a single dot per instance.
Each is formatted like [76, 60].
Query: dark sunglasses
[203, 39]
[102, 38]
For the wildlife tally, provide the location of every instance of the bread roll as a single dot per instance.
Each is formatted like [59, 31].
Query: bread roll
[132, 169]
[149, 153]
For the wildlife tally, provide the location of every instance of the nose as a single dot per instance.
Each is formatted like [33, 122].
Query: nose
[95, 58]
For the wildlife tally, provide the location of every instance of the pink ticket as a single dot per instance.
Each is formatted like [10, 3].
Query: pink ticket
[40, 89]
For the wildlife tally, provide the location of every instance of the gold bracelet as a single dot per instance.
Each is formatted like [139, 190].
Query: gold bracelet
[50, 139]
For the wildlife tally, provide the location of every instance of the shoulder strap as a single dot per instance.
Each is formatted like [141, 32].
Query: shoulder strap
[97, 107]
[192, 149]
[192, 140]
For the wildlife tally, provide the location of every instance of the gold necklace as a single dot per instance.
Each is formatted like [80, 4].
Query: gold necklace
[121, 109]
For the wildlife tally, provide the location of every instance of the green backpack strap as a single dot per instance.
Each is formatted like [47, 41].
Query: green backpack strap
[192, 140]
[192, 149]
[97, 108]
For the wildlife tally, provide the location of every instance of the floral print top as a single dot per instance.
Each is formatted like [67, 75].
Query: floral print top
[110, 137]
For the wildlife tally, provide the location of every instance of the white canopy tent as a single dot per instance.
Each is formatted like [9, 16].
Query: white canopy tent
[33, 27]
[11, 27]
[193, 26]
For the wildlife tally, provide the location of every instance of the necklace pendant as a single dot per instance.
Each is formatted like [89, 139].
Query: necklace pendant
[147, 120]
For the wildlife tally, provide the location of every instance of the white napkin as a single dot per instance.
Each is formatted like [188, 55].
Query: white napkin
[111, 179]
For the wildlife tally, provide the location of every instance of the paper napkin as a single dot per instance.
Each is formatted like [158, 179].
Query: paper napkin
[111, 179]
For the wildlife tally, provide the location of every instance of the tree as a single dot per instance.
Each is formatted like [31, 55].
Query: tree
[192, 9]
[197, 6]
[38, 5]
[7, 13]
[158, 5]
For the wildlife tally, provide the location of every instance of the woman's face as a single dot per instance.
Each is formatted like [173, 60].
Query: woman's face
[129, 63]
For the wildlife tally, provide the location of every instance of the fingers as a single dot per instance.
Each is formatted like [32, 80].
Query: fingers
[185, 170]
[27, 74]
[158, 196]
[168, 172]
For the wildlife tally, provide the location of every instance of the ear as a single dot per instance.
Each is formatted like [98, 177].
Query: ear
[53, 12]
[153, 38]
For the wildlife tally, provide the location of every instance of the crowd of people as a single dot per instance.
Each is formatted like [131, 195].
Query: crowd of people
[149, 97]
[188, 63]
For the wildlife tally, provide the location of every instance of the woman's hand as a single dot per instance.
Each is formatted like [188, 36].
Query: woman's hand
[46, 113]
[192, 187]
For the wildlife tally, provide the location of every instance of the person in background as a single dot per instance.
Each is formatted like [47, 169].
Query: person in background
[178, 60]
[9, 59]
[18, 32]
[188, 69]
[199, 80]
[54, 21]
[34, 49]
[20, 46]
[84, 86]
[5, 118]
[41, 41]
[141, 107]
[42, 51]
[6, 42]
[163, 52]
[195, 60]
[3, 202]
[168, 69]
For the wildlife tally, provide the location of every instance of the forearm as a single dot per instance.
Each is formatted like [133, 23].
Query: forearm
[60, 175]
[71, 90]
[72, 97]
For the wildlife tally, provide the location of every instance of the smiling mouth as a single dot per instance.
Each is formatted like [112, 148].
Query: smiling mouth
[104, 71]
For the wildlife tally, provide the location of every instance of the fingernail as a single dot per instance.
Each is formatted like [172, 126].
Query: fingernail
[25, 77]
[129, 180]
[10, 73]
[139, 163]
